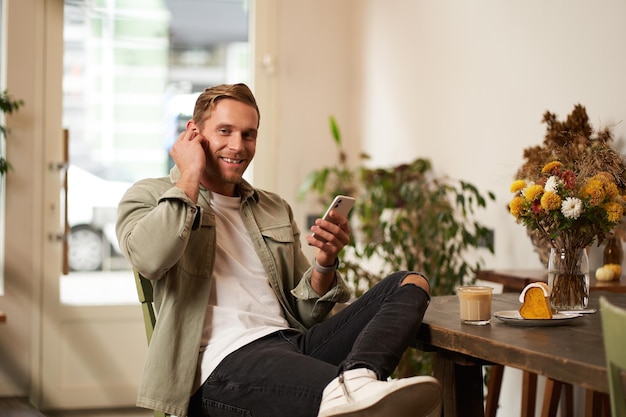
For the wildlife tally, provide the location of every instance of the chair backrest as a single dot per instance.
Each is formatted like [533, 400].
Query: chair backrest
[614, 331]
[145, 293]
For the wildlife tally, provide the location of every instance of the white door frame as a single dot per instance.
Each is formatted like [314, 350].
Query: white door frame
[33, 69]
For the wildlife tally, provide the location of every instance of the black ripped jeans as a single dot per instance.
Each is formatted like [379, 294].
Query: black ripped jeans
[284, 373]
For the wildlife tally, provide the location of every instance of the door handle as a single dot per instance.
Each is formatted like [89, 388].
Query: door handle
[62, 167]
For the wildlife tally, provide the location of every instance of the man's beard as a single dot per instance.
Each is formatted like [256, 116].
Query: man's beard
[232, 178]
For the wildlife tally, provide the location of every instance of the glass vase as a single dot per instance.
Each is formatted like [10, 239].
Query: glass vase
[568, 278]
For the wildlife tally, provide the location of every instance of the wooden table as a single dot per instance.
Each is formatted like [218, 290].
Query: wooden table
[514, 280]
[572, 353]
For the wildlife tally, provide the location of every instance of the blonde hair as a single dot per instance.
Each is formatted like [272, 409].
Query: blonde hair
[210, 96]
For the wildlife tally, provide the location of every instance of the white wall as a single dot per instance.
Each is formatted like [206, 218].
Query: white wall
[315, 49]
[317, 78]
[466, 83]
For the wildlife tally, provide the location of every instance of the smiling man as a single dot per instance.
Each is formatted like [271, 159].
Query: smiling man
[243, 325]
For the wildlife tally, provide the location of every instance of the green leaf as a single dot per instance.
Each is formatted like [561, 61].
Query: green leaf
[7, 105]
[334, 129]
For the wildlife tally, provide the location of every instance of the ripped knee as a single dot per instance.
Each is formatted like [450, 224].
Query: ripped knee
[417, 279]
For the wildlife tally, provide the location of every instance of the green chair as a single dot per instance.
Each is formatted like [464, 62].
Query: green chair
[614, 331]
[144, 291]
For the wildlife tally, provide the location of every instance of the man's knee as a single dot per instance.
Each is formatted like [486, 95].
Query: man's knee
[417, 279]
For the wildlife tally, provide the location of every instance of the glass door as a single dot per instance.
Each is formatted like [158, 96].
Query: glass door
[131, 77]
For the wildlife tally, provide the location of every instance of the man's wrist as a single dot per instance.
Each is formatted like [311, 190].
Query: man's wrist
[325, 269]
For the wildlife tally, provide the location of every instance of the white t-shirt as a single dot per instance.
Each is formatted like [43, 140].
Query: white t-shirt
[242, 306]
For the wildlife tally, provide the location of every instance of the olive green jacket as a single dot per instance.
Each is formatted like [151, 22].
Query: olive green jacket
[171, 241]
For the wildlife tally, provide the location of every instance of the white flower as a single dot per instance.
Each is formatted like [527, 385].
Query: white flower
[552, 183]
[572, 207]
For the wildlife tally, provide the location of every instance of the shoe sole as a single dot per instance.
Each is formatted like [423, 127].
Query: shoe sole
[412, 400]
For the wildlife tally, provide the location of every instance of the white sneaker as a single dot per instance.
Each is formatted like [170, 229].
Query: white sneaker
[358, 392]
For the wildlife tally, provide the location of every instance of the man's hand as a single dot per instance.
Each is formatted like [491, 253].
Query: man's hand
[330, 236]
[188, 153]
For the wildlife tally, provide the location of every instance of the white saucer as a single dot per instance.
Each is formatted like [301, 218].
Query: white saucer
[513, 318]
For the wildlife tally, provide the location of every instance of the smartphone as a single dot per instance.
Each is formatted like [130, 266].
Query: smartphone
[342, 204]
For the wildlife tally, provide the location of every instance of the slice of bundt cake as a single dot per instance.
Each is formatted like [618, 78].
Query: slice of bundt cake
[535, 299]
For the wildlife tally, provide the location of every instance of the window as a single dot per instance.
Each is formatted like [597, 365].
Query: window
[132, 71]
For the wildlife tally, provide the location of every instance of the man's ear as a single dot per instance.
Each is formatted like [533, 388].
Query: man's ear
[191, 125]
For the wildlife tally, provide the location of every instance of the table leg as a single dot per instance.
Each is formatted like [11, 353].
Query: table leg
[596, 403]
[494, 384]
[529, 394]
[551, 398]
[568, 406]
[462, 387]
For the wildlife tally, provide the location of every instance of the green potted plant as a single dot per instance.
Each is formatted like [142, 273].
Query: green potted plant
[405, 217]
[411, 219]
[8, 105]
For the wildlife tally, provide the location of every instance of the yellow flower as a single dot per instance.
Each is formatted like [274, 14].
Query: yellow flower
[550, 166]
[517, 206]
[518, 185]
[533, 192]
[550, 201]
[611, 190]
[608, 184]
[614, 211]
[594, 191]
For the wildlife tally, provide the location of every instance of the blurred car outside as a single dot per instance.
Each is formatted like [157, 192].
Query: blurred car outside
[92, 213]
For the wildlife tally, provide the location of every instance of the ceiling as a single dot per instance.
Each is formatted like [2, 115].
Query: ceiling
[199, 23]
